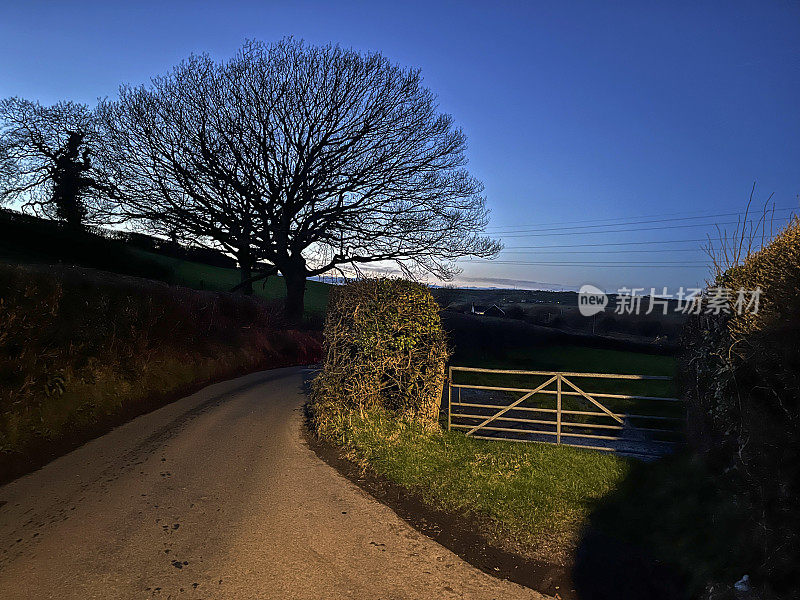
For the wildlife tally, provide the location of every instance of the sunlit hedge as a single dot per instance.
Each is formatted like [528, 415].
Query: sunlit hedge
[384, 346]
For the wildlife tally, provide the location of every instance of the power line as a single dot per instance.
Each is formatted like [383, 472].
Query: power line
[608, 262]
[608, 244]
[631, 223]
[586, 264]
[618, 230]
[651, 216]
[624, 221]
[665, 250]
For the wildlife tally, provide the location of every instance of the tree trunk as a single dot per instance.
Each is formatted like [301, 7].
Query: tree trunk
[246, 273]
[74, 219]
[295, 293]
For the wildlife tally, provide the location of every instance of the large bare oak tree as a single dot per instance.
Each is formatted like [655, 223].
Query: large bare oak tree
[308, 158]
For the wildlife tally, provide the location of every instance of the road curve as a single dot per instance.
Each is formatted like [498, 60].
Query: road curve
[217, 496]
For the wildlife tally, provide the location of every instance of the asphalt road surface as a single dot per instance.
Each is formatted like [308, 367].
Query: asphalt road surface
[217, 496]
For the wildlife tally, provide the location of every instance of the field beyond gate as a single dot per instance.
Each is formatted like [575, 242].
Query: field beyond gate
[630, 414]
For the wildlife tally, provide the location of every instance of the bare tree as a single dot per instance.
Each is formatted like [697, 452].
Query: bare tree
[45, 151]
[318, 158]
[172, 170]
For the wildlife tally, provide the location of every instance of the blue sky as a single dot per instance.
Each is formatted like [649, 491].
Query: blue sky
[577, 114]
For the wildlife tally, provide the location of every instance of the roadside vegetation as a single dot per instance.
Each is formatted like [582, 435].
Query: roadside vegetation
[742, 379]
[82, 350]
[666, 529]
[674, 528]
[674, 521]
[384, 342]
[384, 348]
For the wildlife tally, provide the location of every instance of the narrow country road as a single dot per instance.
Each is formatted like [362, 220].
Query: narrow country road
[217, 496]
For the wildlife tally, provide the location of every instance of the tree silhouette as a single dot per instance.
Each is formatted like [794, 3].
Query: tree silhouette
[45, 152]
[309, 158]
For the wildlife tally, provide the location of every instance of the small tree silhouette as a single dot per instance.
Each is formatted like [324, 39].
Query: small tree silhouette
[44, 151]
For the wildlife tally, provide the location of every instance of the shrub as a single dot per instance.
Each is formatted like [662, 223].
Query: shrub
[81, 348]
[742, 378]
[384, 347]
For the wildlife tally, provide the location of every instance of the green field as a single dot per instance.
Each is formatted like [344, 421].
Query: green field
[207, 277]
[25, 239]
[564, 357]
[578, 359]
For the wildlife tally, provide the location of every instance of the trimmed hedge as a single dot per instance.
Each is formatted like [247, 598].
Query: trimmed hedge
[742, 377]
[384, 347]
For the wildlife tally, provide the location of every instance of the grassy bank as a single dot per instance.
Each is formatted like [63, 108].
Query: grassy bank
[81, 350]
[680, 513]
[667, 529]
[529, 498]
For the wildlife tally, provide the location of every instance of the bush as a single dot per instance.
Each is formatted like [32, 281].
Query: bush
[384, 347]
[742, 378]
[80, 349]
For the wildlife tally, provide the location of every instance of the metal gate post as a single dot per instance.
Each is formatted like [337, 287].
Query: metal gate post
[449, 396]
[558, 410]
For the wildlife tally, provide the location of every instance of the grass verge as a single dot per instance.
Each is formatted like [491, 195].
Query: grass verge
[532, 499]
[681, 515]
[615, 526]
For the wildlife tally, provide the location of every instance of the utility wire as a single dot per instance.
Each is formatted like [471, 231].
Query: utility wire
[582, 245]
[623, 221]
[608, 262]
[631, 251]
[651, 216]
[514, 235]
[602, 265]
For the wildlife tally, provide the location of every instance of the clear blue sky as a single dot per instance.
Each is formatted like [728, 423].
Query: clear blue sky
[575, 112]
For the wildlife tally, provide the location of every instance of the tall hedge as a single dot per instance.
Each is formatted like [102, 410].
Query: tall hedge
[384, 347]
[82, 350]
[742, 374]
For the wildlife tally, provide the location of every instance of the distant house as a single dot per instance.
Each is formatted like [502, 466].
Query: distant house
[489, 311]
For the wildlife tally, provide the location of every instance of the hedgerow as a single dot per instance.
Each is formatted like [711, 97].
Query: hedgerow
[82, 349]
[742, 378]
